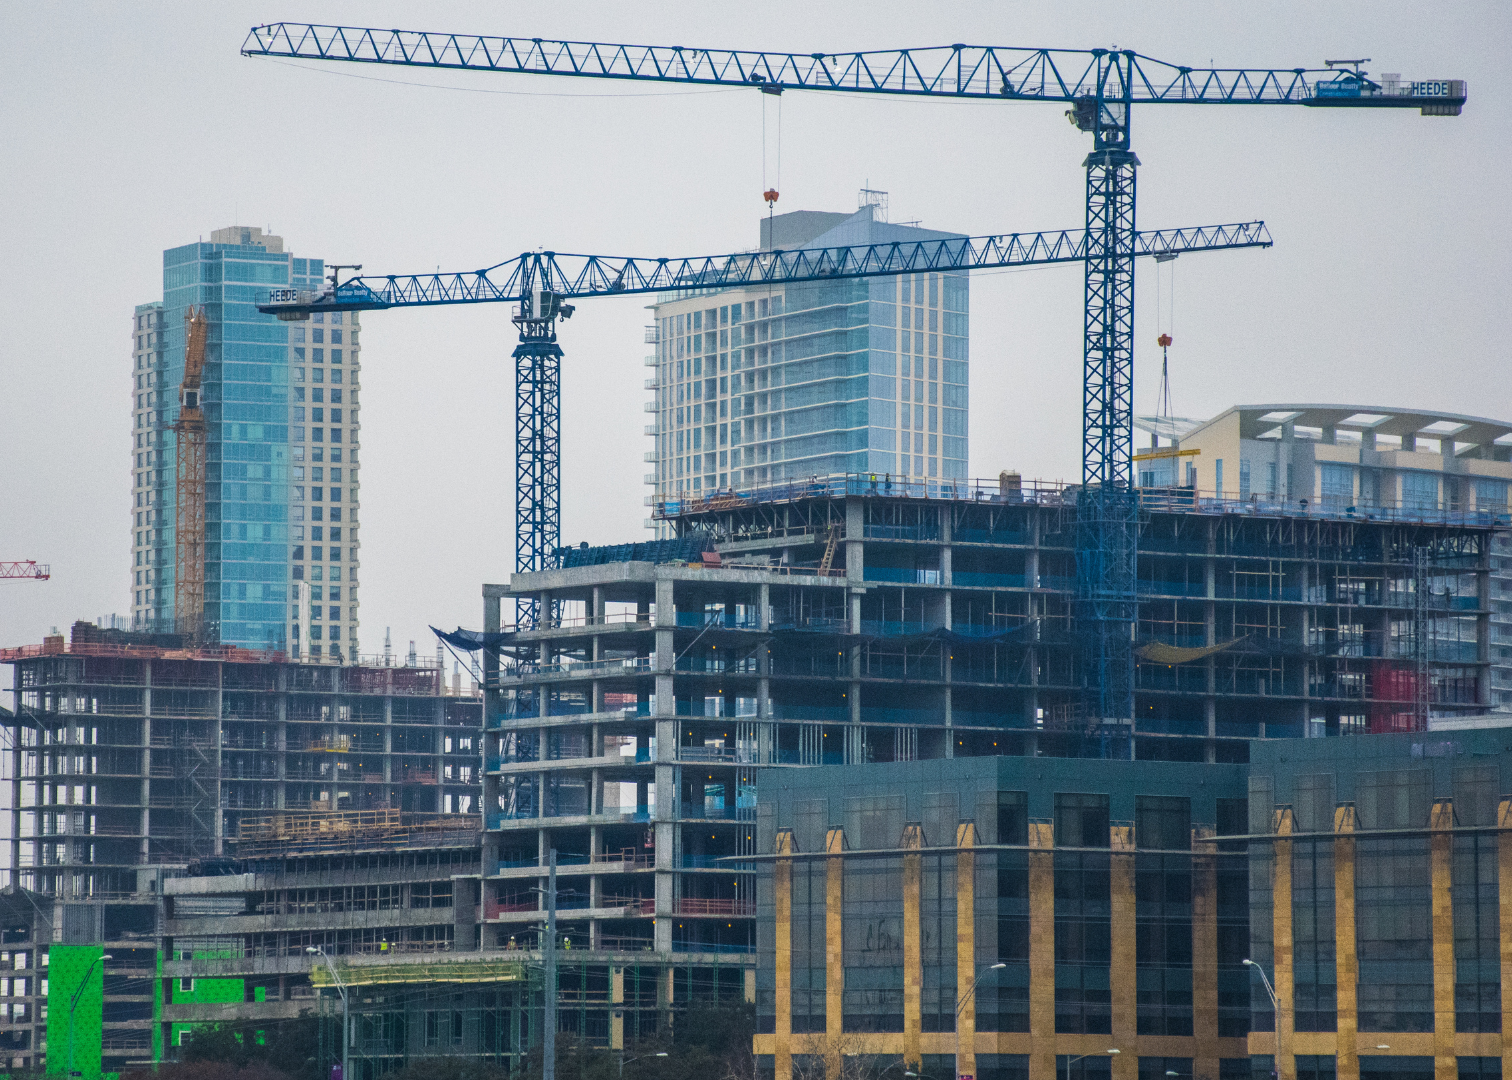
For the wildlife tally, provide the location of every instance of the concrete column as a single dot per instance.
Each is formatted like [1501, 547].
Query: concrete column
[388, 740]
[1205, 952]
[965, 841]
[1285, 974]
[146, 783]
[1504, 896]
[782, 997]
[913, 961]
[1445, 1063]
[855, 531]
[1210, 636]
[834, 955]
[1346, 961]
[1122, 972]
[617, 1008]
[1042, 1043]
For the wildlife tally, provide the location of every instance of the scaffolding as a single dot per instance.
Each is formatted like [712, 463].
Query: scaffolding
[312, 831]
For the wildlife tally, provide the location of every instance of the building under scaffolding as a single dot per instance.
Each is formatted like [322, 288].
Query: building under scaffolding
[859, 619]
[132, 759]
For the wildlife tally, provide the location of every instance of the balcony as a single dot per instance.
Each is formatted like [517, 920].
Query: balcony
[698, 906]
[629, 665]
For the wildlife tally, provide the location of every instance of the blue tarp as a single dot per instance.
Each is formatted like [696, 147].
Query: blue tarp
[472, 640]
[688, 548]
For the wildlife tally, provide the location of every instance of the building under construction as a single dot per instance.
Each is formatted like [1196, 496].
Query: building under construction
[133, 758]
[838, 621]
[862, 619]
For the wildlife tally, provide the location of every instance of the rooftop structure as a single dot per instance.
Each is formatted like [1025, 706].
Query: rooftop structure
[281, 484]
[1360, 459]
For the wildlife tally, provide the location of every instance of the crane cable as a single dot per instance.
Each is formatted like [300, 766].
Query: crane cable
[1165, 323]
[770, 193]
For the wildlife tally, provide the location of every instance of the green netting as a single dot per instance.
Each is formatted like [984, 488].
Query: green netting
[75, 1008]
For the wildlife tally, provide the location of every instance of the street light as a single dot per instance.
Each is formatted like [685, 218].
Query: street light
[346, 1011]
[1072, 1060]
[961, 1005]
[1276, 1008]
[74, 1004]
[637, 1057]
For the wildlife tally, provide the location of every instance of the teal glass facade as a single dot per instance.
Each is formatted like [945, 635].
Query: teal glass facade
[246, 398]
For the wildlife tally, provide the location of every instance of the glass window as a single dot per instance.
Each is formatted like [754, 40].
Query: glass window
[1081, 820]
[1163, 822]
[1420, 490]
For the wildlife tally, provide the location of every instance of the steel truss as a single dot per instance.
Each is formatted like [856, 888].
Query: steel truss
[538, 453]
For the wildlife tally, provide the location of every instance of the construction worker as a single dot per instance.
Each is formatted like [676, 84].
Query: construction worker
[567, 943]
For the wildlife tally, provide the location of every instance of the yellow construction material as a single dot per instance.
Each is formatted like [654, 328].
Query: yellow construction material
[295, 828]
[1160, 653]
[428, 971]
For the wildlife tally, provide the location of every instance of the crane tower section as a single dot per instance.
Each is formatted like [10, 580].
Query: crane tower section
[189, 503]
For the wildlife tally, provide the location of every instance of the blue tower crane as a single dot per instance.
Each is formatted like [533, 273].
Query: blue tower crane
[1100, 85]
[540, 283]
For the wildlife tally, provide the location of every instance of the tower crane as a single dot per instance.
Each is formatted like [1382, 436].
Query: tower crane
[540, 283]
[189, 502]
[1101, 86]
[26, 568]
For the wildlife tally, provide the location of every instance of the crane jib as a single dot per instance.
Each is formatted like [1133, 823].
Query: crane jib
[980, 71]
[596, 275]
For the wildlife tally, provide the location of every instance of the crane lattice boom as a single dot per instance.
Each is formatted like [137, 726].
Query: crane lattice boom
[969, 71]
[605, 275]
[25, 568]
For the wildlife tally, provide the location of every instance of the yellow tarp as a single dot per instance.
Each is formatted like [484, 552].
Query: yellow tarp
[1160, 653]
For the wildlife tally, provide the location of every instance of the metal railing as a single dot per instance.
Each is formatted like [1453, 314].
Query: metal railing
[1042, 493]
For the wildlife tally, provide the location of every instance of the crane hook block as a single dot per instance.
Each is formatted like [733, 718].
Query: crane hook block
[1164, 340]
[770, 195]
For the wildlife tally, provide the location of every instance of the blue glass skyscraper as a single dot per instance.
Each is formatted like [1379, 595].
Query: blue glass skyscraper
[264, 454]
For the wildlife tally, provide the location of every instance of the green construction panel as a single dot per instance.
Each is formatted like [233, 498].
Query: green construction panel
[206, 992]
[75, 1023]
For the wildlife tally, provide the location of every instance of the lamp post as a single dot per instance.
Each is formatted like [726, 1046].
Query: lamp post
[74, 1004]
[637, 1057]
[1276, 1008]
[346, 1012]
[1072, 1060]
[961, 1005]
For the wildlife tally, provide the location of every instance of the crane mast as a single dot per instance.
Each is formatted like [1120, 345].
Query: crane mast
[189, 502]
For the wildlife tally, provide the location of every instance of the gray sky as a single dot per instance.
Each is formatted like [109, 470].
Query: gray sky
[131, 128]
